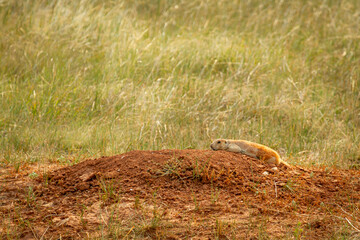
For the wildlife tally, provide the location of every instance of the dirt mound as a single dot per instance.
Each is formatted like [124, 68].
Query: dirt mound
[176, 194]
[157, 167]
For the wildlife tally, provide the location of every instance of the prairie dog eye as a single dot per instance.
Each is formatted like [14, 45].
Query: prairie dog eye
[218, 142]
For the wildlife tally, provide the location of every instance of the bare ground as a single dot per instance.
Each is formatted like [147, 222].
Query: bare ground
[179, 194]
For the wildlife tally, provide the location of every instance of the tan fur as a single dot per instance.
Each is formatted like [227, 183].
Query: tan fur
[251, 149]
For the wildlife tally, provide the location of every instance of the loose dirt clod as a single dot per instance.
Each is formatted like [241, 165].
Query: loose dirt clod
[174, 194]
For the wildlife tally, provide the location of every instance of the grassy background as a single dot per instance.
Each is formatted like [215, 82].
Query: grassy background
[88, 78]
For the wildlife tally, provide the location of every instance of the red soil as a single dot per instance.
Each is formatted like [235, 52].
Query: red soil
[178, 194]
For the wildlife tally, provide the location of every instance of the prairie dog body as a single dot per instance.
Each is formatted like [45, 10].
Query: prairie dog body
[251, 149]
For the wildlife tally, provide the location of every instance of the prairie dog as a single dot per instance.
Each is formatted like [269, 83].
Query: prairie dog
[251, 149]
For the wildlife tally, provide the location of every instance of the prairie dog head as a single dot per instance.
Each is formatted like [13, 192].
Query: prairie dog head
[220, 144]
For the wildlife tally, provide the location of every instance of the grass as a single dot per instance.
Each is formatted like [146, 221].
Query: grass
[30, 198]
[215, 194]
[81, 79]
[171, 168]
[88, 78]
[144, 222]
[108, 191]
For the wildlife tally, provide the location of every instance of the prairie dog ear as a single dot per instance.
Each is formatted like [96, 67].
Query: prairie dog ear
[226, 142]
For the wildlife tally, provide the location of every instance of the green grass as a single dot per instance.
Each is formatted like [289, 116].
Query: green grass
[87, 78]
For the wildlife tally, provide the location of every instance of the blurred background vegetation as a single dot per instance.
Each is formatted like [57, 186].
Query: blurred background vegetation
[80, 79]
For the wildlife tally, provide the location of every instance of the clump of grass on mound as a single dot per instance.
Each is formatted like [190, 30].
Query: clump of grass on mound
[84, 78]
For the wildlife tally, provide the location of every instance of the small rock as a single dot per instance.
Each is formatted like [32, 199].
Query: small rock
[50, 204]
[266, 173]
[87, 176]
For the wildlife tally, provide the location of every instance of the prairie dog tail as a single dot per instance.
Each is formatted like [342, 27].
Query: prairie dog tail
[285, 163]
